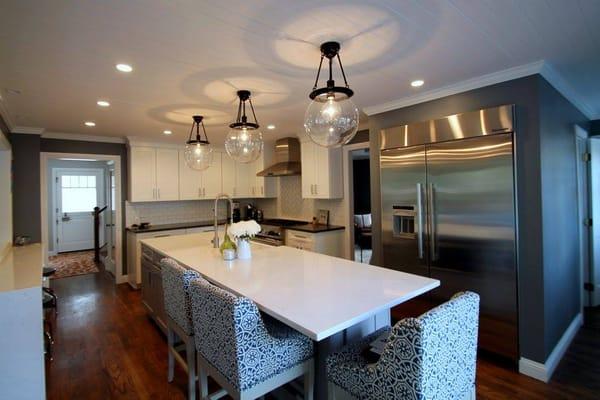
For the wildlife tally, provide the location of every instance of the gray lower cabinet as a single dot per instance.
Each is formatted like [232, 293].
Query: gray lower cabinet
[152, 291]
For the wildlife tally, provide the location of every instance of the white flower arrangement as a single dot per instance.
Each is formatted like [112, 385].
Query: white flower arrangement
[244, 229]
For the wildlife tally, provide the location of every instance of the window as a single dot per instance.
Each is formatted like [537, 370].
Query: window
[78, 193]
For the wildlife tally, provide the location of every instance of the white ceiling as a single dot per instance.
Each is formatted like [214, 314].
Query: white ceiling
[191, 56]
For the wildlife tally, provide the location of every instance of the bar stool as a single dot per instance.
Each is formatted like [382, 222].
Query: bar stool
[176, 281]
[430, 357]
[47, 272]
[244, 355]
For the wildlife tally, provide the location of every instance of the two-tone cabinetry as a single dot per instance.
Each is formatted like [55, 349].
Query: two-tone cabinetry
[152, 289]
[325, 242]
[160, 174]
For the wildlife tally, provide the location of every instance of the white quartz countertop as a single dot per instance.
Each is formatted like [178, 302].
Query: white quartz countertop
[21, 267]
[316, 294]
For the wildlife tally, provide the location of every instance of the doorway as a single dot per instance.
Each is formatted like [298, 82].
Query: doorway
[72, 186]
[357, 175]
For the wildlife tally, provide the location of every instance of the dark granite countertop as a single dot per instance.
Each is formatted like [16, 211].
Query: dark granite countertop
[314, 228]
[168, 227]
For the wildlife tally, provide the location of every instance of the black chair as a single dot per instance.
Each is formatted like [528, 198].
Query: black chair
[49, 300]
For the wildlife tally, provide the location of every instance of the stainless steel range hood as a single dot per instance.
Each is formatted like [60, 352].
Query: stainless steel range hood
[287, 159]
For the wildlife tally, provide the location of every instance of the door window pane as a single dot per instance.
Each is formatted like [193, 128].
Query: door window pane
[78, 193]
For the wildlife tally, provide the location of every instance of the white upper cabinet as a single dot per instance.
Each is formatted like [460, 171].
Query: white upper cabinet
[154, 174]
[167, 174]
[190, 181]
[229, 172]
[142, 174]
[321, 172]
[199, 185]
[264, 187]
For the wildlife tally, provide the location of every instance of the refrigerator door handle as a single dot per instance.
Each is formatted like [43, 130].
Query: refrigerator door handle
[420, 219]
[433, 239]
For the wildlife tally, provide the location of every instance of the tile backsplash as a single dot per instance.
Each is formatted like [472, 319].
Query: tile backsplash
[290, 204]
[168, 212]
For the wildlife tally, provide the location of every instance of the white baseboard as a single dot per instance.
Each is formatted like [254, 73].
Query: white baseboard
[543, 372]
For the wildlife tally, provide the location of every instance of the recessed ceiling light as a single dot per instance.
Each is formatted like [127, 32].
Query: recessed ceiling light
[167, 132]
[103, 103]
[124, 67]
[417, 83]
[271, 126]
[89, 123]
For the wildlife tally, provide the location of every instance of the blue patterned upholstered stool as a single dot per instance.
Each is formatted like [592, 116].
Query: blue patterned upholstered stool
[176, 282]
[247, 357]
[432, 357]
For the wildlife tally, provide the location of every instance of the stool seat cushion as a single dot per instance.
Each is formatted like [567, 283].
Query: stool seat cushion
[176, 282]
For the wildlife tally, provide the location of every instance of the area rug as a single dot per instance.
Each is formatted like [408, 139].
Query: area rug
[72, 264]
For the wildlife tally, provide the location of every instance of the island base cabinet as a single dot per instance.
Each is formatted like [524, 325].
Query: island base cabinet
[152, 289]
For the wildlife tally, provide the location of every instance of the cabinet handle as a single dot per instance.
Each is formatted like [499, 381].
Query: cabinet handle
[262, 190]
[316, 191]
[158, 192]
[199, 193]
[312, 190]
[154, 193]
[204, 192]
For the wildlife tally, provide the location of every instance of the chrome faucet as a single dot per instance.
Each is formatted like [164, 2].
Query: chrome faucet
[221, 196]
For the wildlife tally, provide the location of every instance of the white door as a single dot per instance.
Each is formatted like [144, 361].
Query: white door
[167, 174]
[307, 157]
[211, 178]
[77, 191]
[583, 211]
[109, 221]
[143, 173]
[190, 181]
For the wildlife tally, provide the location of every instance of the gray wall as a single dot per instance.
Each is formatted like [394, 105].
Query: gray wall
[535, 342]
[562, 284]
[26, 172]
[26, 186]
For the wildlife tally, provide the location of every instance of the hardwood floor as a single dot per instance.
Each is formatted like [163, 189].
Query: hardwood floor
[106, 348]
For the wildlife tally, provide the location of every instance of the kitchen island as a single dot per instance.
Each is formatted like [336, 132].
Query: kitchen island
[331, 300]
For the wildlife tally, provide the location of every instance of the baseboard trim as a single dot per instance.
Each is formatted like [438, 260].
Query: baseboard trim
[122, 279]
[543, 372]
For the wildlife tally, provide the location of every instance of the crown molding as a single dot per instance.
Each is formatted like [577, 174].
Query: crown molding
[6, 115]
[82, 137]
[563, 87]
[538, 67]
[27, 130]
[460, 87]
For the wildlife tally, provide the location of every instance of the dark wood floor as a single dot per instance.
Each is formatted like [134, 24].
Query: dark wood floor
[106, 348]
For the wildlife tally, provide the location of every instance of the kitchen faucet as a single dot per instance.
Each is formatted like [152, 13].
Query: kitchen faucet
[221, 196]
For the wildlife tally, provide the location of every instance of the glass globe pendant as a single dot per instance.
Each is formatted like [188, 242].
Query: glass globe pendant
[244, 142]
[198, 152]
[331, 119]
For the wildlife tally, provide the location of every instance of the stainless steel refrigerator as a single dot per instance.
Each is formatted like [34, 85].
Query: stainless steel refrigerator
[448, 212]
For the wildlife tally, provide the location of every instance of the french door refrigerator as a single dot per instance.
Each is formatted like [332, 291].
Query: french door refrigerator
[448, 212]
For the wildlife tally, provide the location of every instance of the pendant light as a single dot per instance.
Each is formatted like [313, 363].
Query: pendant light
[244, 141]
[198, 153]
[331, 119]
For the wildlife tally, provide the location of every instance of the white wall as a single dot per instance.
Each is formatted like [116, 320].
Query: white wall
[595, 205]
[6, 227]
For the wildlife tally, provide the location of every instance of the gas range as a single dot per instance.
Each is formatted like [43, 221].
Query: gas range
[273, 231]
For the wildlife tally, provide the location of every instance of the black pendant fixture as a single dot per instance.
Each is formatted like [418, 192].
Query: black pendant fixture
[198, 151]
[244, 141]
[331, 119]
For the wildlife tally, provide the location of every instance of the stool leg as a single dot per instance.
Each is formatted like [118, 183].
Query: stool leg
[309, 382]
[190, 352]
[170, 350]
[203, 378]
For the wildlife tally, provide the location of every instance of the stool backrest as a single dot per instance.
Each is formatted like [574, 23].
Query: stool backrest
[438, 349]
[176, 281]
[227, 329]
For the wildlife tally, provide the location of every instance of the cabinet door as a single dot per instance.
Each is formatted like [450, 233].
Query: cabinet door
[264, 187]
[228, 173]
[142, 172]
[244, 180]
[308, 169]
[146, 271]
[167, 174]
[190, 181]
[212, 183]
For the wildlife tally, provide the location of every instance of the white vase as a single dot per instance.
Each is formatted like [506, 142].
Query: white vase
[244, 251]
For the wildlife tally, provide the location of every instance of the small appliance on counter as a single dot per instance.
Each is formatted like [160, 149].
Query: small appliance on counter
[250, 212]
[141, 225]
[260, 216]
[236, 213]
